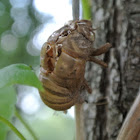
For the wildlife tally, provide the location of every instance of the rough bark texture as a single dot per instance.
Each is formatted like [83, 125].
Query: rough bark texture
[119, 24]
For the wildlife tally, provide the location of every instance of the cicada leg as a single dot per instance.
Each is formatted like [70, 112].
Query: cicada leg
[87, 87]
[96, 52]
[101, 50]
[97, 61]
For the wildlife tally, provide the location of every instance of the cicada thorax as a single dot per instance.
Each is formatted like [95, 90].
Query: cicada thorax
[63, 59]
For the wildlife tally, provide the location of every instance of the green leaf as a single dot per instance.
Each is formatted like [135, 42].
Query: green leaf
[7, 108]
[19, 74]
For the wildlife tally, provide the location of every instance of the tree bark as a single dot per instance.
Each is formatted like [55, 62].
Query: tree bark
[117, 22]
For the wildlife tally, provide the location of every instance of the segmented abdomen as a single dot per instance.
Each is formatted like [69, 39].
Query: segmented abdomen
[62, 86]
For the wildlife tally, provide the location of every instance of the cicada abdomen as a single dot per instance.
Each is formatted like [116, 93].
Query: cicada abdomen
[63, 59]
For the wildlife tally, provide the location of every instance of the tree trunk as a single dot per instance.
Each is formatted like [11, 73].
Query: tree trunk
[115, 88]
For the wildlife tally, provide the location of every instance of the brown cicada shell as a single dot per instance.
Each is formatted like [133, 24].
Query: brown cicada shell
[63, 59]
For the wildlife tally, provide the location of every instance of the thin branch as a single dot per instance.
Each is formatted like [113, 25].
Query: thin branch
[131, 127]
[80, 135]
[75, 9]
[12, 127]
[78, 107]
[26, 125]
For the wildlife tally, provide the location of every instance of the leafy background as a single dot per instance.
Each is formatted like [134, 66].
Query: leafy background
[19, 23]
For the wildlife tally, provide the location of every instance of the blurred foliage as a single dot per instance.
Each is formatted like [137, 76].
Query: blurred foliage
[52, 127]
[7, 108]
[86, 8]
[19, 74]
[19, 23]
